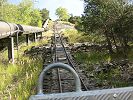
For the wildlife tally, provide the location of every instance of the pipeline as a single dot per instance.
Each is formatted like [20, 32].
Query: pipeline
[10, 29]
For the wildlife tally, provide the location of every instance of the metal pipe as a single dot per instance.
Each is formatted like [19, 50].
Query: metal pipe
[58, 65]
[31, 29]
[10, 29]
[6, 29]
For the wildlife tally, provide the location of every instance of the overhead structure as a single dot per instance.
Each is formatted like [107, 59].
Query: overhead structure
[10, 29]
[30, 29]
[7, 29]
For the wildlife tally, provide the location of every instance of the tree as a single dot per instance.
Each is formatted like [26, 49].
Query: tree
[77, 21]
[112, 18]
[2, 8]
[74, 19]
[23, 13]
[36, 19]
[62, 13]
[25, 8]
[45, 14]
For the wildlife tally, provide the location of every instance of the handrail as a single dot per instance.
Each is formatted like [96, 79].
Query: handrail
[58, 65]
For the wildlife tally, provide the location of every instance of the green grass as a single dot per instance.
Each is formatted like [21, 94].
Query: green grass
[130, 54]
[64, 22]
[18, 81]
[75, 36]
[90, 60]
[72, 35]
[92, 57]
[110, 78]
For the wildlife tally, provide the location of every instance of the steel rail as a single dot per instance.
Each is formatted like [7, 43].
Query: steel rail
[58, 70]
[57, 38]
[72, 65]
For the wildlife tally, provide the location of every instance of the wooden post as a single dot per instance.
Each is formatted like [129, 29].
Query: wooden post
[35, 37]
[11, 49]
[27, 39]
[41, 35]
[17, 41]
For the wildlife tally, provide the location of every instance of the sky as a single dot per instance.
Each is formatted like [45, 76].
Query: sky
[74, 7]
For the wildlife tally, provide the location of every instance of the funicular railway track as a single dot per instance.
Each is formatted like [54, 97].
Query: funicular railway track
[61, 80]
[60, 84]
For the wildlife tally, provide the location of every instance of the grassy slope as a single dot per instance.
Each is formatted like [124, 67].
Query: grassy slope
[94, 58]
[19, 81]
[91, 60]
[74, 36]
